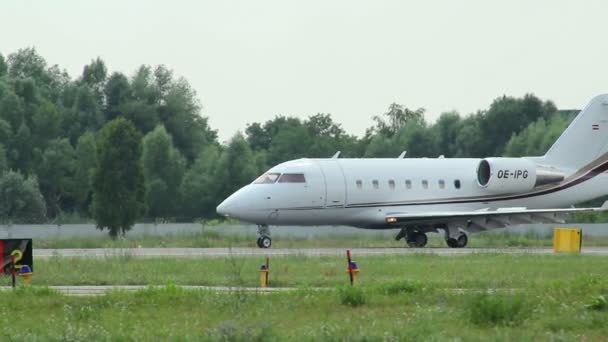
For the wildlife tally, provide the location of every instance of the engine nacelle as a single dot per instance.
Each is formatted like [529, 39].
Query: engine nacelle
[514, 175]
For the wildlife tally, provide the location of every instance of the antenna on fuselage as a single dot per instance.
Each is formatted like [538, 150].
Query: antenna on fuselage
[402, 155]
[337, 155]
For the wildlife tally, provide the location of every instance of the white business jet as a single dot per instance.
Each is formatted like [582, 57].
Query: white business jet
[421, 195]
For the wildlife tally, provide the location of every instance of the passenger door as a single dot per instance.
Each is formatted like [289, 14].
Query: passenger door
[335, 186]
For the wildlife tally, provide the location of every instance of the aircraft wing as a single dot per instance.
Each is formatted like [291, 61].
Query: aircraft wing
[484, 219]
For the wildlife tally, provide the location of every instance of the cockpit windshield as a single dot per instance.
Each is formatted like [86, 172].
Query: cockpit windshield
[267, 178]
[292, 178]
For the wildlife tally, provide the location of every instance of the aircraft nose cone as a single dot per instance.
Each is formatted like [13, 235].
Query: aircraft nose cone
[223, 208]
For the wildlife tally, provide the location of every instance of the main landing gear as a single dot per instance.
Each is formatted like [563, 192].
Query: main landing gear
[454, 237]
[460, 241]
[413, 238]
[264, 240]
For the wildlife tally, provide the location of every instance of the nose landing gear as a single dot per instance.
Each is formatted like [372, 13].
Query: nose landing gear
[264, 241]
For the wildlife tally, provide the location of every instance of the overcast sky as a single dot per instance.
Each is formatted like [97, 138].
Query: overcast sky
[252, 60]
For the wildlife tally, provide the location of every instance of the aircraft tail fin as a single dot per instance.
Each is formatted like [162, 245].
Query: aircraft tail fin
[585, 140]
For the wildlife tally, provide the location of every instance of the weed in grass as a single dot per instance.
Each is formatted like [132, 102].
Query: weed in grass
[351, 295]
[501, 310]
[598, 303]
[230, 331]
[404, 286]
[38, 291]
[235, 266]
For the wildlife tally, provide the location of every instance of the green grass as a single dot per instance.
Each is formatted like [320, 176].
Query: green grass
[418, 270]
[499, 309]
[175, 314]
[416, 297]
[216, 237]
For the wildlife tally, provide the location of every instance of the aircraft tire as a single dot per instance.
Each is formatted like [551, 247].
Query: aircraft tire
[417, 240]
[265, 242]
[462, 241]
[259, 242]
[452, 243]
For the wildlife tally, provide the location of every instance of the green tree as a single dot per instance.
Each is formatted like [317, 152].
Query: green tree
[22, 150]
[469, 141]
[381, 146]
[417, 140]
[95, 75]
[3, 66]
[6, 133]
[11, 110]
[257, 137]
[86, 162]
[538, 137]
[56, 175]
[142, 114]
[32, 76]
[180, 113]
[46, 124]
[446, 131]
[20, 199]
[118, 183]
[396, 118]
[328, 137]
[144, 86]
[117, 93]
[28, 63]
[163, 168]
[200, 188]
[237, 165]
[507, 116]
[3, 160]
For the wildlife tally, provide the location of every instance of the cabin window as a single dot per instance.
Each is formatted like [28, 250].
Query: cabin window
[267, 178]
[359, 184]
[292, 178]
[441, 184]
[391, 184]
[425, 184]
[457, 183]
[408, 184]
[376, 184]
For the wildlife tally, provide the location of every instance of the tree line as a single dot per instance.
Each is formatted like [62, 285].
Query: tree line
[62, 139]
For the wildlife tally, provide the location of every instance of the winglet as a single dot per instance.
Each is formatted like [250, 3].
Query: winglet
[337, 155]
[402, 155]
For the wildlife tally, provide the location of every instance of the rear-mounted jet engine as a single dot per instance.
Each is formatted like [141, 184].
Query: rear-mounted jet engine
[514, 175]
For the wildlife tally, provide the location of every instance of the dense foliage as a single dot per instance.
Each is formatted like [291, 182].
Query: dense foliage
[118, 180]
[52, 146]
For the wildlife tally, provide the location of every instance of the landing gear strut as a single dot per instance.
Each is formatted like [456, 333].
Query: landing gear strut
[264, 240]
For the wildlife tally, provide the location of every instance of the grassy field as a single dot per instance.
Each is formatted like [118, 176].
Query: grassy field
[464, 271]
[419, 297]
[217, 238]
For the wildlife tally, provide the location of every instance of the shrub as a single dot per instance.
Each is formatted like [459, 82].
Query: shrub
[487, 309]
[351, 295]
